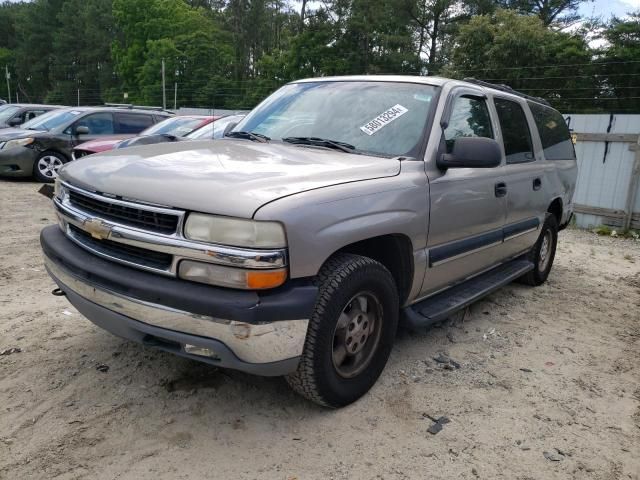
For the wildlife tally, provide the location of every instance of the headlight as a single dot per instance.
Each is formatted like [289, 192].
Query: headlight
[237, 232]
[19, 142]
[231, 277]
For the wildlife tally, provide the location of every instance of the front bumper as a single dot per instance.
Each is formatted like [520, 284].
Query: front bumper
[257, 333]
[17, 162]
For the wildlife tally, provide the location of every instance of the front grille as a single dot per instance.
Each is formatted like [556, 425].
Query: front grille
[121, 251]
[134, 217]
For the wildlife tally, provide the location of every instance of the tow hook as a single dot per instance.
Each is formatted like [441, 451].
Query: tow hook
[58, 292]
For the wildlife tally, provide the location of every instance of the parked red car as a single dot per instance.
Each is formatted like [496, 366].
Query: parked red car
[166, 131]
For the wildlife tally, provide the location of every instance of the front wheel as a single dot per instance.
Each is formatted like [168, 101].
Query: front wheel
[351, 331]
[47, 165]
[543, 253]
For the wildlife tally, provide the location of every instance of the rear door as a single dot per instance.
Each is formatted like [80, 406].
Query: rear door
[524, 176]
[468, 205]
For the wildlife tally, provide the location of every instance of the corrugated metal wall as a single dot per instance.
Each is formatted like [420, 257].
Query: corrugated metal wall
[604, 180]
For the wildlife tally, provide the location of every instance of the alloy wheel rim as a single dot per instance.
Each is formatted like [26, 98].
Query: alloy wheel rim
[49, 165]
[545, 251]
[357, 334]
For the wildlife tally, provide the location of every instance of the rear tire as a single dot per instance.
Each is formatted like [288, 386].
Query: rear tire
[543, 253]
[45, 168]
[351, 331]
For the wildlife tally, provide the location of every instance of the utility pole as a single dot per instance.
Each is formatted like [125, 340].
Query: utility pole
[164, 92]
[78, 97]
[8, 75]
[175, 91]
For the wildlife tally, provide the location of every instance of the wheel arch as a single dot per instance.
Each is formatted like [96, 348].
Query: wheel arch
[556, 208]
[394, 251]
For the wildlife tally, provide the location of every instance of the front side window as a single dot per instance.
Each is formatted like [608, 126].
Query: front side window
[469, 118]
[516, 137]
[31, 114]
[97, 123]
[554, 133]
[378, 118]
[132, 123]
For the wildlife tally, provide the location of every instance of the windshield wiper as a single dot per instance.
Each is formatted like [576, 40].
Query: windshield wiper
[321, 142]
[256, 137]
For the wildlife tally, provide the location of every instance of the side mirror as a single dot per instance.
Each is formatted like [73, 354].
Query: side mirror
[472, 152]
[15, 121]
[228, 128]
[82, 130]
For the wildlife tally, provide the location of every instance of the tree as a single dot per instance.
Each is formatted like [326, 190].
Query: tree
[620, 64]
[519, 51]
[561, 12]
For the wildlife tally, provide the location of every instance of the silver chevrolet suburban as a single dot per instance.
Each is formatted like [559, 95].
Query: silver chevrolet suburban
[337, 209]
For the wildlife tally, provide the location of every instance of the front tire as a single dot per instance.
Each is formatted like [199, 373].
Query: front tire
[351, 331]
[47, 165]
[543, 253]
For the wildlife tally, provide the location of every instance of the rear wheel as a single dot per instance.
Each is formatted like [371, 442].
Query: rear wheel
[543, 253]
[47, 166]
[351, 331]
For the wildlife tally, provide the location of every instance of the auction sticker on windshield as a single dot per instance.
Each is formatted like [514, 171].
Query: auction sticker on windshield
[384, 119]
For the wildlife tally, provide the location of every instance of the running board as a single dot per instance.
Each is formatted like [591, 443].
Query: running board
[442, 305]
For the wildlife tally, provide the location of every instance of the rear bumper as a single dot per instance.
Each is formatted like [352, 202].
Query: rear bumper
[17, 162]
[261, 334]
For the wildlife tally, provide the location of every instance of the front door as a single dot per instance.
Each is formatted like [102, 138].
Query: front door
[100, 125]
[467, 205]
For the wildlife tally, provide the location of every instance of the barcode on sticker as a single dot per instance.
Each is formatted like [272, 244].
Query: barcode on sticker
[384, 119]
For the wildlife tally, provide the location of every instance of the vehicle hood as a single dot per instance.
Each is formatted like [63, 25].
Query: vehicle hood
[226, 177]
[11, 133]
[102, 144]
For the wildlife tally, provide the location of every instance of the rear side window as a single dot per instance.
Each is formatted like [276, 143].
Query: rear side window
[469, 118]
[515, 131]
[554, 133]
[132, 123]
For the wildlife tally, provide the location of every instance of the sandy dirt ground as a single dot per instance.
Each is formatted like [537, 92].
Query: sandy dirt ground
[548, 386]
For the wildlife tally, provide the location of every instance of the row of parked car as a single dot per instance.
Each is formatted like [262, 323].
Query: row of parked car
[36, 140]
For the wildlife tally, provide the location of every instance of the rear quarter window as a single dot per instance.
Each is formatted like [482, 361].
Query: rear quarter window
[132, 122]
[554, 133]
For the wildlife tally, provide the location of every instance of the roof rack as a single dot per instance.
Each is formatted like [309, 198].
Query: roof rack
[506, 88]
[131, 106]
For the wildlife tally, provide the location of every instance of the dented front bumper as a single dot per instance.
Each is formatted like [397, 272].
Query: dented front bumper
[258, 333]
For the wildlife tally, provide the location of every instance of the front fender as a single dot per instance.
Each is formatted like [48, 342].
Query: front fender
[321, 222]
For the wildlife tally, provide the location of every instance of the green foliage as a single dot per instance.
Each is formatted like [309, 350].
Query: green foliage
[232, 53]
[520, 51]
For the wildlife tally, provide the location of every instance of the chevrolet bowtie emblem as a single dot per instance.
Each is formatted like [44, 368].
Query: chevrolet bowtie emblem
[97, 228]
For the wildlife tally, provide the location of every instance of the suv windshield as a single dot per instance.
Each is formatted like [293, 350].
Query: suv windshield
[51, 120]
[178, 126]
[381, 118]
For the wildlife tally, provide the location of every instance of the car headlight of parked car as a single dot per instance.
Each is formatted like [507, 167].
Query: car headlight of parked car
[236, 232]
[18, 142]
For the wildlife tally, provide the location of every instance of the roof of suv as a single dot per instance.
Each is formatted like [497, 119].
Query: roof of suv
[148, 111]
[437, 81]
